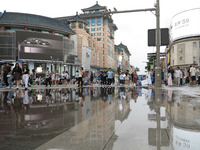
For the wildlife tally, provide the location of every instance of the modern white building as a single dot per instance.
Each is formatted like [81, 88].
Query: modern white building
[184, 49]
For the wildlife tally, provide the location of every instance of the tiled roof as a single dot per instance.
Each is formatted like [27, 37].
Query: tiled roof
[94, 14]
[34, 21]
[123, 46]
[78, 18]
[94, 7]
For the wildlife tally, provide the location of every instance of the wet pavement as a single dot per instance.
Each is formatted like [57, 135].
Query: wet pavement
[96, 118]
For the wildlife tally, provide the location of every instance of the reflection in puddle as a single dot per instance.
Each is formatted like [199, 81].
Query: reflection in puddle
[89, 118]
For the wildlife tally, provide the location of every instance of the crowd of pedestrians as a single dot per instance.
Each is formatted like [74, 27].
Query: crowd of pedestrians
[22, 76]
[177, 77]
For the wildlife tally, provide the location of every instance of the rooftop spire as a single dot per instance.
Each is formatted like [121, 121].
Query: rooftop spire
[77, 13]
[96, 2]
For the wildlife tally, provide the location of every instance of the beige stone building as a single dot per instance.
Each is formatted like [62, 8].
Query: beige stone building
[184, 53]
[87, 50]
[123, 54]
[101, 28]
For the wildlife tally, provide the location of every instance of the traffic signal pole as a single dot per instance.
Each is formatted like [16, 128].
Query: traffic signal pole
[157, 9]
[158, 68]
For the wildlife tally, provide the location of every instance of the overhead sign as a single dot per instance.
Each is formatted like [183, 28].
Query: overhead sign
[153, 55]
[164, 38]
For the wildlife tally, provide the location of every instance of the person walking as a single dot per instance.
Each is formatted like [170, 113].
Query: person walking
[110, 76]
[17, 73]
[148, 76]
[193, 74]
[198, 73]
[135, 78]
[76, 76]
[25, 72]
[104, 75]
[6, 70]
[91, 78]
[169, 80]
[80, 77]
[122, 78]
[177, 76]
[9, 76]
[48, 77]
[116, 78]
[33, 77]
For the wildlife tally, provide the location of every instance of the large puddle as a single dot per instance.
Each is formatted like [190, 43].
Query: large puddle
[90, 118]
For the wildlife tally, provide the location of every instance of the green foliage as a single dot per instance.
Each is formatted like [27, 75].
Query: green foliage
[149, 63]
[118, 70]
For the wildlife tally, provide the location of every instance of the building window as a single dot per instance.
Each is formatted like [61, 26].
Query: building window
[103, 45]
[73, 25]
[91, 11]
[96, 10]
[194, 60]
[98, 34]
[80, 25]
[92, 22]
[98, 21]
[103, 52]
[98, 39]
[194, 45]
[92, 34]
[181, 58]
[98, 29]
[88, 20]
[173, 62]
[199, 45]
[92, 29]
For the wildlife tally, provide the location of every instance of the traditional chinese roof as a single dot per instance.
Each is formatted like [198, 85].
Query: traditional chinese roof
[94, 7]
[77, 18]
[13, 19]
[123, 46]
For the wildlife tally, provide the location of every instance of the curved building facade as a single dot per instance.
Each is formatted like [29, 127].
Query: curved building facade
[184, 47]
[38, 41]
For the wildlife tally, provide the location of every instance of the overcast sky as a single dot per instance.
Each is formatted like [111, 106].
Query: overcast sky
[132, 27]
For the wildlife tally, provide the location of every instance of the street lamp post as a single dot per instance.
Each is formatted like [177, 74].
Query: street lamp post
[158, 68]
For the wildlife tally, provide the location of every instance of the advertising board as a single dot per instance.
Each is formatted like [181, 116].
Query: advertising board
[40, 46]
[185, 24]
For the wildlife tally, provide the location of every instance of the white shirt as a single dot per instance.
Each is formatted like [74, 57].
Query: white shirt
[193, 71]
[178, 74]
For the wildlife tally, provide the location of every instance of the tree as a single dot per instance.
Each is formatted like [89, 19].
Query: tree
[149, 64]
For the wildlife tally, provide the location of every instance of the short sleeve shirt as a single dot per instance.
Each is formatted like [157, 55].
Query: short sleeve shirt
[110, 73]
[193, 71]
